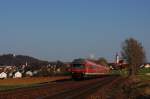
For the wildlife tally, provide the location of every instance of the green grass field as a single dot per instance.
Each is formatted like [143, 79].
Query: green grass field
[144, 71]
[142, 87]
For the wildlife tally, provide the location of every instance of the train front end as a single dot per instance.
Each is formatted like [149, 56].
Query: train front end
[78, 70]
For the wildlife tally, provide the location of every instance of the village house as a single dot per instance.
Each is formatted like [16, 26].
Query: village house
[147, 65]
[17, 75]
[29, 73]
[3, 75]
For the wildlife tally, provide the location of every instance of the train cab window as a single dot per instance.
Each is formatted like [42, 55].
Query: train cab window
[78, 66]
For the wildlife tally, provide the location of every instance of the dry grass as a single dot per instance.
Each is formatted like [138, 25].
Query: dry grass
[27, 81]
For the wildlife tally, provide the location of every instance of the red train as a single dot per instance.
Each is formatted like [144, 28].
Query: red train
[81, 68]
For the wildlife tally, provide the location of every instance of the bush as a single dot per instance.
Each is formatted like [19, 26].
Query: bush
[144, 71]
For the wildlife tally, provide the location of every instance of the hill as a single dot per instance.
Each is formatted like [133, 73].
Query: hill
[10, 59]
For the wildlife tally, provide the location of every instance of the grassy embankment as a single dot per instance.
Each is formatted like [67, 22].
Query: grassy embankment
[133, 87]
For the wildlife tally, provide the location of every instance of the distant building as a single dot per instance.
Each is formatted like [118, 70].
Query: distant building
[18, 75]
[35, 72]
[147, 65]
[3, 75]
[10, 74]
[117, 58]
[119, 63]
[29, 73]
[58, 70]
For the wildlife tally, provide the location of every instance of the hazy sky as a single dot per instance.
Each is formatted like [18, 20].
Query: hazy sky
[68, 29]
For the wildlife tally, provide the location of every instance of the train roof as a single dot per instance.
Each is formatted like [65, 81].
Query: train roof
[78, 61]
[83, 61]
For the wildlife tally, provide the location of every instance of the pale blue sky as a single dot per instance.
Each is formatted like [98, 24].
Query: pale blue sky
[68, 29]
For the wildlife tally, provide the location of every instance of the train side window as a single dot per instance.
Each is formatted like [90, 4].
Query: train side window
[89, 67]
[78, 66]
[92, 67]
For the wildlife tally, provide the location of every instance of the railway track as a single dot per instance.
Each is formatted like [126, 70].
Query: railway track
[83, 91]
[32, 92]
[61, 89]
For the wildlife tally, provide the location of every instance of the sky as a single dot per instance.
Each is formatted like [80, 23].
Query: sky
[68, 29]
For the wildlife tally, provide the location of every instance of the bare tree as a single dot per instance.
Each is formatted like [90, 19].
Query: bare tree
[134, 54]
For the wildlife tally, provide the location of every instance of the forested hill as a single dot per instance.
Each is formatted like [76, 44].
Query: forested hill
[10, 59]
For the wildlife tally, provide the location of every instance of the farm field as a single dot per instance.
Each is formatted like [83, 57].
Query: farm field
[13, 83]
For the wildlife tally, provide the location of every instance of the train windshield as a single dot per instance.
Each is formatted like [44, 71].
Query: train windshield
[78, 66]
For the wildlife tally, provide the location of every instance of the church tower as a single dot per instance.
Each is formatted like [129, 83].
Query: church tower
[117, 58]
